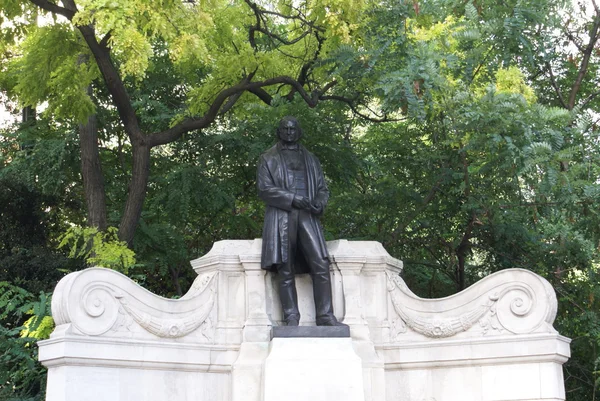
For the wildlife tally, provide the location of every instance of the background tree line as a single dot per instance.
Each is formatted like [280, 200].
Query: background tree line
[461, 135]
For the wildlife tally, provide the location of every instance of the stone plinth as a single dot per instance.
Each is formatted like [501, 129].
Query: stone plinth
[316, 369]
[116, 341]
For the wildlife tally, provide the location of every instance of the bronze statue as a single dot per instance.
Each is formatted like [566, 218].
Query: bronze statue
[291, 183]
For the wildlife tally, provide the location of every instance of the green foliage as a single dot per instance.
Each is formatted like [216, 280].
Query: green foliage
[24, 319]
[53, 69]
[485, 168]
[101, 248]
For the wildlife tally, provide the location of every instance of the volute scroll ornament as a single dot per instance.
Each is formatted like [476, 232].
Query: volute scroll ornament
[511, 301]
[96, 301]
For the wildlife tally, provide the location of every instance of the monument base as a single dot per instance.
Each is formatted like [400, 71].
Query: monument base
[115, 341]
[299, 369]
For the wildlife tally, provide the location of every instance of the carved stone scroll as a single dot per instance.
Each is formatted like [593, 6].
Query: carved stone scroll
[515, 301]
[96, 301]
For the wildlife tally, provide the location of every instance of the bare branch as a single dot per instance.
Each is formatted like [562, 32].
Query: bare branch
[102, 56]
[262, 95]
[53, 8]
[277, 37]
[105, 39]
[555, 86]
[355, 110]
[113, 83]
[234, 98]
[190, 124]
[590, 98]
[230, 95]
[574, 40]
[587, 53]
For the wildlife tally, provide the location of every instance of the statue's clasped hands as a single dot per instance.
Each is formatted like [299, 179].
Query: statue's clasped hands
[303, 203]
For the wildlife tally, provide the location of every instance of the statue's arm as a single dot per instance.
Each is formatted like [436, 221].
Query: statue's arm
[322, 193]
[271, 194]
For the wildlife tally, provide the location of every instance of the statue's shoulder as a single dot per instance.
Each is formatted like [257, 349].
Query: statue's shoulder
[271, 152]
[309, 154]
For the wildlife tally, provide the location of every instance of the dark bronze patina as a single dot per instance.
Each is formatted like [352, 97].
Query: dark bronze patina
[291, 183]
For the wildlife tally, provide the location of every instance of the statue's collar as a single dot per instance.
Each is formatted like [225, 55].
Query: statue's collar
[294, 146]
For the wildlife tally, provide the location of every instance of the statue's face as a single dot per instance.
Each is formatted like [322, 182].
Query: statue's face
[289, 132]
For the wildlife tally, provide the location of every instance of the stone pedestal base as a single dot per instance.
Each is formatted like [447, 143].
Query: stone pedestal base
[521, 368]
[125, 370]
[115, 341]
[316, 369]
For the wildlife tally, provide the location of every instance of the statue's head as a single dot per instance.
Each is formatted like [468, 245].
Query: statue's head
[289, 130]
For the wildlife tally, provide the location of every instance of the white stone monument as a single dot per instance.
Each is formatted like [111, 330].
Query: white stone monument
[115, 341]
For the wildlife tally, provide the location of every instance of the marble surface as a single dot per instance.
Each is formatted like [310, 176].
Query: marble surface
[316, 369]
[116, 341]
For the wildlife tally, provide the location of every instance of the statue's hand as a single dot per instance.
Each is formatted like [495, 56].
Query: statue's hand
[301, 202]
[316, 207]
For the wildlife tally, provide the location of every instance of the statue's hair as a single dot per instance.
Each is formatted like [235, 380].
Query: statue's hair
[292, 119]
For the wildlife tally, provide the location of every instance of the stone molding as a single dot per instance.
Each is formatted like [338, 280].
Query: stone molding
[103, 302]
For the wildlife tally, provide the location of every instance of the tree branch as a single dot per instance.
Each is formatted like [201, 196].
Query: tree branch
[586, 59]
[555, 86]
[54, 9]
[105, 39]
[277, 37]
[190, 124]
[355, 110]
[109, 72]
[589, 98]
[234, 98]
[262, 95]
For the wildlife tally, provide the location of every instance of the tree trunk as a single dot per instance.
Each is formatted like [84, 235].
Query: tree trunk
[460, 271]
[137, 191]
[175, 279]
[28, 114]
[91, 171]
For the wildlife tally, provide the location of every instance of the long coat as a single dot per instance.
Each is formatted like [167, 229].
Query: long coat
[273, 190]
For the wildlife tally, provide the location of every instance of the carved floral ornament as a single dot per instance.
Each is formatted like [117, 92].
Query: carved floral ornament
[513, 307]
[108, 303]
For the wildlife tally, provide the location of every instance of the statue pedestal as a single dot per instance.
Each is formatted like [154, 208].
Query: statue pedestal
[316, 369]
[115, 341]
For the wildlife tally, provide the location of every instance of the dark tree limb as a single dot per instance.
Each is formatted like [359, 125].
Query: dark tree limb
[136, 191]
[115, 85]
[104, 42]
[279, 38]
[234, 98]
[54, 8]
[590, 98]
[555, 86]
[307, 67]
[91, 172]
[587, 53]
[191, 124]
[355, 110]
[574, 40]
[262, 95]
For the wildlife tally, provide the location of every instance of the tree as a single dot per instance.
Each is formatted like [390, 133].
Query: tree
[268, 48]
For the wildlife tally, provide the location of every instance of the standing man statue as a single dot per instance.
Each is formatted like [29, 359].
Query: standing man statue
[291, 183]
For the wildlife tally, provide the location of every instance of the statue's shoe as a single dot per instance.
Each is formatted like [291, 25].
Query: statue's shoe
[292, 322]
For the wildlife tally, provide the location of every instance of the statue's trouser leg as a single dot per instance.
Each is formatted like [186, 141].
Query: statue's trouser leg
[309, 245]
[286, 274]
